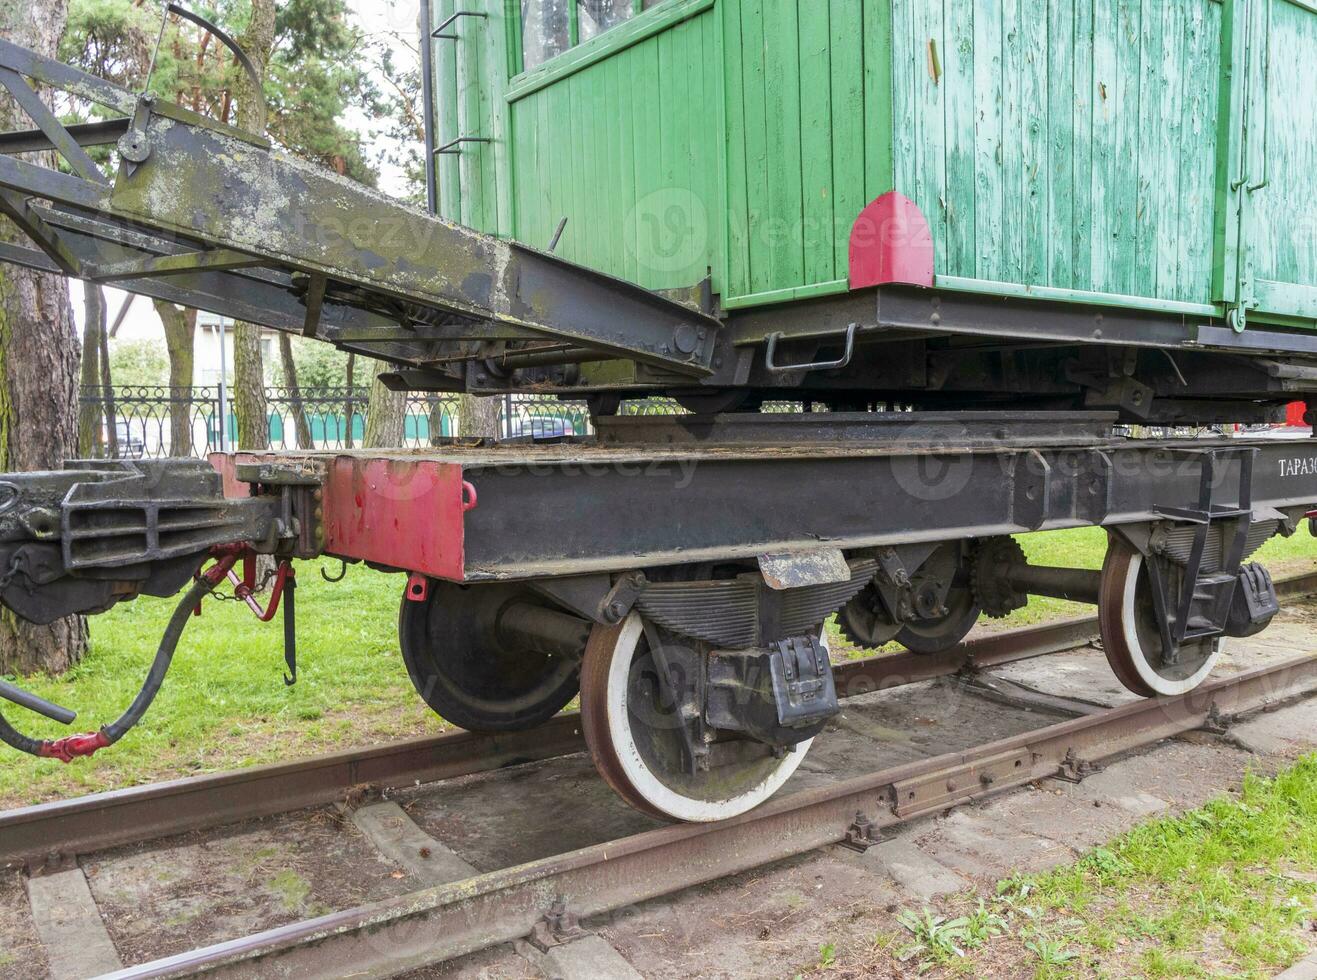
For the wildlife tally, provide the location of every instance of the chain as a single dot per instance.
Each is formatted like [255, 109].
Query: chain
[228, 597]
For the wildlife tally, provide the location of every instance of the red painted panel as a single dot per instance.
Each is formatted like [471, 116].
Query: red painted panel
[891, 244]
[1294, 416]
[405, 513]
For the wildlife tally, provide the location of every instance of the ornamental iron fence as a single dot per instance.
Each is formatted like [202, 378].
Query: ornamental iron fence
[160, 422]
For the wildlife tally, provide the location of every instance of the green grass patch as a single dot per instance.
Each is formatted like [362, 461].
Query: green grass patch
[1229, 889]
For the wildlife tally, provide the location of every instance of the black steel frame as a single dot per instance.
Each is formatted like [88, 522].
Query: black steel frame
[573, 510]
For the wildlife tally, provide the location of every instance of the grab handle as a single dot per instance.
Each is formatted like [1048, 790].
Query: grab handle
[777, 338]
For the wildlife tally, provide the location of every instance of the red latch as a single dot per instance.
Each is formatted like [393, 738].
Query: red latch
[74, 747]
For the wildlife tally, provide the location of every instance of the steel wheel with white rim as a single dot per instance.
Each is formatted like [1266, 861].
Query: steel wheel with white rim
[1131, 634]
[637, 744]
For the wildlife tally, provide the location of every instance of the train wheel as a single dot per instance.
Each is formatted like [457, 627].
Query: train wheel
[471, 672]
[1132, 636]
[637, 744]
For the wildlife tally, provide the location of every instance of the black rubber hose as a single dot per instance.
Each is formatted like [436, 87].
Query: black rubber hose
[85, 745]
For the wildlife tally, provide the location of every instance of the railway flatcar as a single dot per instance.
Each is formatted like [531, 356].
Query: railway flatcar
[972, 244]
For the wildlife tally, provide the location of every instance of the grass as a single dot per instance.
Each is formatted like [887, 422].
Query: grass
[1226, 890]
[224, 705]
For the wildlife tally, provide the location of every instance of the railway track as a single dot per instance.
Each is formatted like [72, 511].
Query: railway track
[477, 911]
[54, 833]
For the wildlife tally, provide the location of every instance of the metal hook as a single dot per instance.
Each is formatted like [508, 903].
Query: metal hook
[343, 573]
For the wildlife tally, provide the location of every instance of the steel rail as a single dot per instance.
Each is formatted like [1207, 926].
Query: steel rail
[52, 833]
[399, 935]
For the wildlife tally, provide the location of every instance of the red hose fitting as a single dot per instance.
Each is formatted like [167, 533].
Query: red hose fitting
[74, 747]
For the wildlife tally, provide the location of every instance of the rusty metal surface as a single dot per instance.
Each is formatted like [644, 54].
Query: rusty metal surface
[394, 936]
[141, 813]
[145, 812]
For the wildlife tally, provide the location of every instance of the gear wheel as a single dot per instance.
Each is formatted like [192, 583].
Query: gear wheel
[992, 589]
[864, 620]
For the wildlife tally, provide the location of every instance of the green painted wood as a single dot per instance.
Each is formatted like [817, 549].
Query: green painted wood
[638, 178]
[1167, 137]
[879, 107]
[1060, 148]
[850, 157]
[782, 242]
[472, 120]
[1015, 167]
[1080, 150]
[816, 141]
[736, 272]
[1201, 103]
[757, 147]
[1149, 137]
[1035, 175]
[450, 180]
[989, 151]
[1230, 153]
[1279, 228]
[1104, 94]
[1086, 100]
[1123, 276]
[957, 56]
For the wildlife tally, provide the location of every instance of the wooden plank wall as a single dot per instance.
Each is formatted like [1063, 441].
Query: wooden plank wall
[471, 78]
[1067, 143]
[808, 142]
[1283, 226]
[1060, 143]
[627, 150]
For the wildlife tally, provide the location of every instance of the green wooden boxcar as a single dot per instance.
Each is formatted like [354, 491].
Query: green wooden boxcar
[1152, 154]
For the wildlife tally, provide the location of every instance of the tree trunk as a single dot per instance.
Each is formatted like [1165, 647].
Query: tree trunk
[39, 355]
[91, 417]
[478, 417]
[386, 418]
[351, 407]
[107, 391]
[181, 342]
[300, 420]
[248, 369]
[249, 402]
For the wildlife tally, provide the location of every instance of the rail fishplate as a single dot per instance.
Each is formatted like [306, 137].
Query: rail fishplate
[921, 794]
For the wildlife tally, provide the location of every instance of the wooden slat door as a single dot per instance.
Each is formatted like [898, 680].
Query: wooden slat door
[1276, 183]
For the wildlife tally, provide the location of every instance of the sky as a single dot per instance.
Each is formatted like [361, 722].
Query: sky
[393, 22]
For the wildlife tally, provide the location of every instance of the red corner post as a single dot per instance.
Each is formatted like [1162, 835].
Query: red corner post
[891, 244]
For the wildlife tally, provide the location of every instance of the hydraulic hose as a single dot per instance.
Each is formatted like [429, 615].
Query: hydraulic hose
[80, 746]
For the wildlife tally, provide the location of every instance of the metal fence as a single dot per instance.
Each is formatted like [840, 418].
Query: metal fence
[160, 422]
